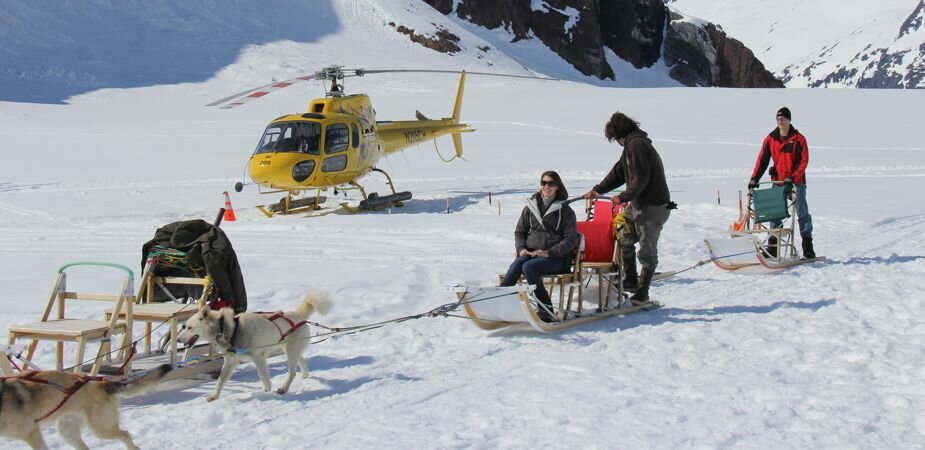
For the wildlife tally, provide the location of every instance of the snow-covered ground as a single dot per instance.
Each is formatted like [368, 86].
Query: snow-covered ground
[823, 356]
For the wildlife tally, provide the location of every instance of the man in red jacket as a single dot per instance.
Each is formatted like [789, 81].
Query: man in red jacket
[787, 148]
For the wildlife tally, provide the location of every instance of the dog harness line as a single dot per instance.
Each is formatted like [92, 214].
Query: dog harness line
[272, 316]
[82, 380]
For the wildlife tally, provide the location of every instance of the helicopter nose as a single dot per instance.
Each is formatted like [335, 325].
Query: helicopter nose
[281, 170]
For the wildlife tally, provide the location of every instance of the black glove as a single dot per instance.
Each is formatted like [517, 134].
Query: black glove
[752, 184]
[788, 186]
[773, 172]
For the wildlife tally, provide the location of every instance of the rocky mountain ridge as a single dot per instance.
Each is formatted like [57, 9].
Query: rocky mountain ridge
[641, 32]
[827, 43]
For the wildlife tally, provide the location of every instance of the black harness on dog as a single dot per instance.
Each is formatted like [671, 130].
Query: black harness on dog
[222, 337]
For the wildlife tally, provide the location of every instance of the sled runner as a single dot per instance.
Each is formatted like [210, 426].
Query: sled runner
[756, 244]
[495, 307]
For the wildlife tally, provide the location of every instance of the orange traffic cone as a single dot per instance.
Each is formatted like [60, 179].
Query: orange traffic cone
[229, 211]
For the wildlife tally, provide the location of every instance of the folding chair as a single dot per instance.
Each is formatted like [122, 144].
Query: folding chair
[773, 204]
[601, 252]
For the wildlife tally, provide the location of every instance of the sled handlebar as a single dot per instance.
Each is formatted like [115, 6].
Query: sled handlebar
[595, 197]
[773, 183]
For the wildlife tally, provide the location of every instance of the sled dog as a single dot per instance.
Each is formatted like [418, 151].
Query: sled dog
[254, 336]
[31, 399]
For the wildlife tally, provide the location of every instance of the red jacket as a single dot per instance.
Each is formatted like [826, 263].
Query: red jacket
[790, 155]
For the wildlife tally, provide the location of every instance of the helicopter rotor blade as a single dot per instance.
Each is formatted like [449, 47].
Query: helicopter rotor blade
[338, 72]
[253, 93]
[361, 72]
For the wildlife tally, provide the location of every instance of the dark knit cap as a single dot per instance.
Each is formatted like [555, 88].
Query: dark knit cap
[785, 111]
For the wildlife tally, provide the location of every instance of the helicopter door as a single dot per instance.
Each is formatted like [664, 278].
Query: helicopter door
[336, 140]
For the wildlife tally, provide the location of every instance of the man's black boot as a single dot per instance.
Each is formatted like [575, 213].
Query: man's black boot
[808, 251]
[641, 296]
[771, 249]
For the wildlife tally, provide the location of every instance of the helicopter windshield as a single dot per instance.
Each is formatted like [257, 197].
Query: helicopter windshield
[291, 137]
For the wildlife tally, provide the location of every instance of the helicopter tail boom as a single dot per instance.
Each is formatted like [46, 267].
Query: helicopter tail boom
[399, 135]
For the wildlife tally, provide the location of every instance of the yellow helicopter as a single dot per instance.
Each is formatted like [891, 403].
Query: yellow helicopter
[337, 142]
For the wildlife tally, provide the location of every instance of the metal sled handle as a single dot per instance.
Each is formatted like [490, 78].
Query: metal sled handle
[127, 271]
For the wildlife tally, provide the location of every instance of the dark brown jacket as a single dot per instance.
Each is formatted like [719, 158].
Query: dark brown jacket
[552, 229]
[641, 169]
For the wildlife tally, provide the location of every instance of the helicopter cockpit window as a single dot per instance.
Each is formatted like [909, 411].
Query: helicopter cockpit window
[292, 137]
[336, 138]
[356, 135]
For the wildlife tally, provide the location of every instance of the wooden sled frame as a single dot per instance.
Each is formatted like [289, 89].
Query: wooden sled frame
[561, 281]
[750, 236]
[150, 313]
[64, 328]
[494, 308]
[120, 319]
[756, 217]
[491, 308]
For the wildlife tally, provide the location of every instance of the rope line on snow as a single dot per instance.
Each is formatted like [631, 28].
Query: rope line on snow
[442, 310]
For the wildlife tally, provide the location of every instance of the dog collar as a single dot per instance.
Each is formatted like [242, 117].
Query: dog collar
[222, 336]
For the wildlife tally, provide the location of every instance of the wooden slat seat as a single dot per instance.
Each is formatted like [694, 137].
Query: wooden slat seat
[72, 328]
[159, 312]
[570, 280]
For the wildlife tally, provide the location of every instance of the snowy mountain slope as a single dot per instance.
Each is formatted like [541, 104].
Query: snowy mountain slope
[99, 44]
[823, 43]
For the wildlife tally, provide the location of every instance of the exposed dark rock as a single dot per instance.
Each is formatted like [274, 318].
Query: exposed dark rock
[915, 78]
[443, 41]
[636, 31]
[837, 77]
[882, 73]
[512, 15]
[738, 66]
[579, 44]
[444, 6]
[706, 56]
[914, 21]
[633, 29]
[690, 54]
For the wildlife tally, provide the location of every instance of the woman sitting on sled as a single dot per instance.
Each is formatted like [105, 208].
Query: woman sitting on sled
[544, 239]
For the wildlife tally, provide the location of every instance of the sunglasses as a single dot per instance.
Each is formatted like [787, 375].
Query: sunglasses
[550, 183]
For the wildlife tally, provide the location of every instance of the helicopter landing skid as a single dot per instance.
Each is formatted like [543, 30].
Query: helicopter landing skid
[289, 206]
[374, 201]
